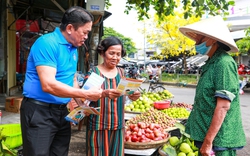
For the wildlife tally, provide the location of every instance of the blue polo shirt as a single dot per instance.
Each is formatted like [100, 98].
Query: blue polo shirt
[55, 51]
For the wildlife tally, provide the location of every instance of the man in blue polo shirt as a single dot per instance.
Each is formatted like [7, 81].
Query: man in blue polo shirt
[50, 84]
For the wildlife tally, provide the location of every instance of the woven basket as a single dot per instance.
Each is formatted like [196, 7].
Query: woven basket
[145, 145]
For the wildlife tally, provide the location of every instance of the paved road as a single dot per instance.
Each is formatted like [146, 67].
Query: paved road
[181, 94]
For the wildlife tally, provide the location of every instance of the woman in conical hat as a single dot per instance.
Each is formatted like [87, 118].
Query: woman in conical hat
[215, 122]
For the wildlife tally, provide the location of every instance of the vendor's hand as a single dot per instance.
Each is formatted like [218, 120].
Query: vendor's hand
[134, 96]
[111, 93]
[206, 149]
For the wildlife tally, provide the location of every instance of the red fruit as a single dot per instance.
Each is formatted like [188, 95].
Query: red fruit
[157, 138]
[128, 139]
[152, 126]
[151, 136]
[134, 139]
[142, 131]
[148, 130]
[143, 137]
[141, 125]
[136, 129]
[139, 134]
[157, 125]
[157, 133]
[132, 126]
[128, 132]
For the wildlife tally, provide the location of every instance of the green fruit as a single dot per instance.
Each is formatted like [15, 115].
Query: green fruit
[196, 153]
[185, 148]
[127, 108]
[181, 154]
[191, 154]
[131, 106]
[173, 140]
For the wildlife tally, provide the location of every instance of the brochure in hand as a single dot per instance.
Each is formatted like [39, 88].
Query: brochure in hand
[78, 113]
[128, 86]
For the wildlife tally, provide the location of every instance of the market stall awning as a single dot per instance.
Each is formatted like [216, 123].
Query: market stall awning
[47, 10]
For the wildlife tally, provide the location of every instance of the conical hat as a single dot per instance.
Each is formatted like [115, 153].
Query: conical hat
[214, 28]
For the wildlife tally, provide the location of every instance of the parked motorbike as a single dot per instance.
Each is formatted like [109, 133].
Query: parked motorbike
[243, 69]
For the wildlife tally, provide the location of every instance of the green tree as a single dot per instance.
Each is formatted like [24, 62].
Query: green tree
[167, 37]
[244, 43]
[168, 7]
[129, 45]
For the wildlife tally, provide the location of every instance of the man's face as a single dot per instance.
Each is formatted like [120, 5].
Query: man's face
[79, 36]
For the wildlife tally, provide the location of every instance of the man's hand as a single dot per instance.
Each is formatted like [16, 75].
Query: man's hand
[134, 96]
[111, 93]
[93, 94]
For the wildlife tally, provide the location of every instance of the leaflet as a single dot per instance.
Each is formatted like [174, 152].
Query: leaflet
[128, 86]
[94, 80]
[78, 113]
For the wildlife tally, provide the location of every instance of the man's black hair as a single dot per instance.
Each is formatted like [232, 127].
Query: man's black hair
[77, 16]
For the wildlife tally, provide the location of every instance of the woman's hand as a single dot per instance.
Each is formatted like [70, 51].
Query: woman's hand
[134, 96]
[111, 93]
[86, 113]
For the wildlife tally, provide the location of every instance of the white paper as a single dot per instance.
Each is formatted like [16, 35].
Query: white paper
[94, 80]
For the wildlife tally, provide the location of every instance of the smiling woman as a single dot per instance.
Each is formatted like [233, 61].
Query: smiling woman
[107, 129]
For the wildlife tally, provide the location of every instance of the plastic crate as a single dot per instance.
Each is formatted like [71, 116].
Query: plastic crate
[11, 135]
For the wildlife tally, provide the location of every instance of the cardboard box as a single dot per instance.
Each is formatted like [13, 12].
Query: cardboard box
[12, 104]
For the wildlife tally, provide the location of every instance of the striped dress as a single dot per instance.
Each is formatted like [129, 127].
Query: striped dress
[105, 134]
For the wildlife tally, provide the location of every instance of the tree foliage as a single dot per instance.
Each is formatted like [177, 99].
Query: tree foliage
[167, 37]
[244, 43]
[168, 7]
[128, 44]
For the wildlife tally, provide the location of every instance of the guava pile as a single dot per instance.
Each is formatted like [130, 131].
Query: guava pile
[180, 147]
[183, 146]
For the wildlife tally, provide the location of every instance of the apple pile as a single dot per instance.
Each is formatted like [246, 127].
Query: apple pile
[143, 132]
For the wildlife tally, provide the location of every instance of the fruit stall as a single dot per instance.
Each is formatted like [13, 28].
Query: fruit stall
[154, 125]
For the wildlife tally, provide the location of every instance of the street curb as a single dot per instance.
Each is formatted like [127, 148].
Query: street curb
[177, 84]
[247, 90]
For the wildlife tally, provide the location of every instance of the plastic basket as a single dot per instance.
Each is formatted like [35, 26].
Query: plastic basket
[11, 135]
